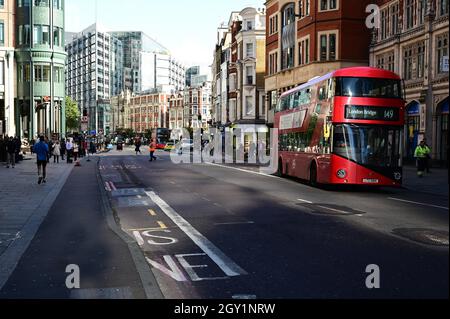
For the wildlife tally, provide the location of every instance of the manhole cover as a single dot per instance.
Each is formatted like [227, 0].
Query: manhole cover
[424, 236]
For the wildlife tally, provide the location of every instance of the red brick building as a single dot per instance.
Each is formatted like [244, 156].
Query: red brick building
[309, 38]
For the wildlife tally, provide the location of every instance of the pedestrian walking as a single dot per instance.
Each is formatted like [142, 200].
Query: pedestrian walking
[56, 152]
[76, 151]
[421, 155]
[152, 149]
[138, 147]
[69, 148]
[3, 155]
[41, 151]
[63, 149]
[11, 153]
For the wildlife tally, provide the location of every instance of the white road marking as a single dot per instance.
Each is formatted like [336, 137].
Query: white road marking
[107, 187]
[229, 267]
[243, 170]
[335, 210]
[417, 203]
[113, 187]
[139, 238]
[305, 201]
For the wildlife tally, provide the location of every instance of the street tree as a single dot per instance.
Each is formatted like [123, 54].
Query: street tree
[72, 115]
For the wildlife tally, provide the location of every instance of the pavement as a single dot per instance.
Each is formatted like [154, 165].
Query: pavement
[74, 230]
[24, 203]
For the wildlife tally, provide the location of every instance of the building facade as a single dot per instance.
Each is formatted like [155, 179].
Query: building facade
[7, 67]
[148, 65]
[413, 41]
[309, 38]
[220, 74]
[94, 73]
[40, 60]
[197, 106]
[176, 110]
[147, 112]
[247, 103]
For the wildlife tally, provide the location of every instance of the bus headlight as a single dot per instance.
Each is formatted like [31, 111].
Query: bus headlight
[342, 173]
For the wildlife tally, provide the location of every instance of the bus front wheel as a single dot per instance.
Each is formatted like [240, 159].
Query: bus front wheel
[313, 175]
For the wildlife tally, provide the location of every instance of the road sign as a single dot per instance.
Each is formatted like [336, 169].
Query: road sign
[84, 127]
[84, 119]
[93, 132]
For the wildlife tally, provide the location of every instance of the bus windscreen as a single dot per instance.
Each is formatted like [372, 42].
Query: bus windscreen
[369, 87]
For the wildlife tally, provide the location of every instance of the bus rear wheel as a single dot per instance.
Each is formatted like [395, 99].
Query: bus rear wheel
[313, 175]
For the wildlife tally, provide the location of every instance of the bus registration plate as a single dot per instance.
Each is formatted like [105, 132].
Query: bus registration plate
[370, 181]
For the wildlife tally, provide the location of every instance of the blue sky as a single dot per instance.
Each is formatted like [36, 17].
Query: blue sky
[186, 27]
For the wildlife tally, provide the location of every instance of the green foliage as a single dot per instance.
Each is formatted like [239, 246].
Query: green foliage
[72, 115]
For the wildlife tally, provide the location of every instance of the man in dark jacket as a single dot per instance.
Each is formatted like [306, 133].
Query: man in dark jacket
[11, 150]
[63, 148]
[41, 150]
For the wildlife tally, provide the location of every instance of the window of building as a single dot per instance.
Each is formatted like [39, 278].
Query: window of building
[249, 50]
[273, 63]
[41, 3]
[303, 51]
[394, 9]
[409, 10]
[384, 33]
[57, 4]
[443, 7]
[2, 32]
[407, 64]
[420, 69]
[249, 107]
[273, 24]
[42, 73]
[45, 35]
[249, 73]
[288, 37]
[328, 47]
[23, 3]
[442, 52]
[249, 25]
[422, 8]
[326, 5]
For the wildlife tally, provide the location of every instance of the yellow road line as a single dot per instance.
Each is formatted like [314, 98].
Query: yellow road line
[162, 225]
[152, 212]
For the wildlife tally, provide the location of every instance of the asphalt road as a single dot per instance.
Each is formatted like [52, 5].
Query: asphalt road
[219, 232]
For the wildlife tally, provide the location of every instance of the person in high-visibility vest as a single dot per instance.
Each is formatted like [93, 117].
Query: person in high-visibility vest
[422, 152]
[152, 149]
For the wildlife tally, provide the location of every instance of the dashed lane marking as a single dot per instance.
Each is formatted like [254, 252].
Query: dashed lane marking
[417, 203]
[152, 212]
[305, 201]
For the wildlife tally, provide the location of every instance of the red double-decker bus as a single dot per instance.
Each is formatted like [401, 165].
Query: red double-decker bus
[343, 128]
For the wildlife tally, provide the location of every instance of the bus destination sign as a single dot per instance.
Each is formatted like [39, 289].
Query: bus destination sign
[372, 113]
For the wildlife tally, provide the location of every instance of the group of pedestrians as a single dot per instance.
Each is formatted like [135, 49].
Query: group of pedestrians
[10, 148]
